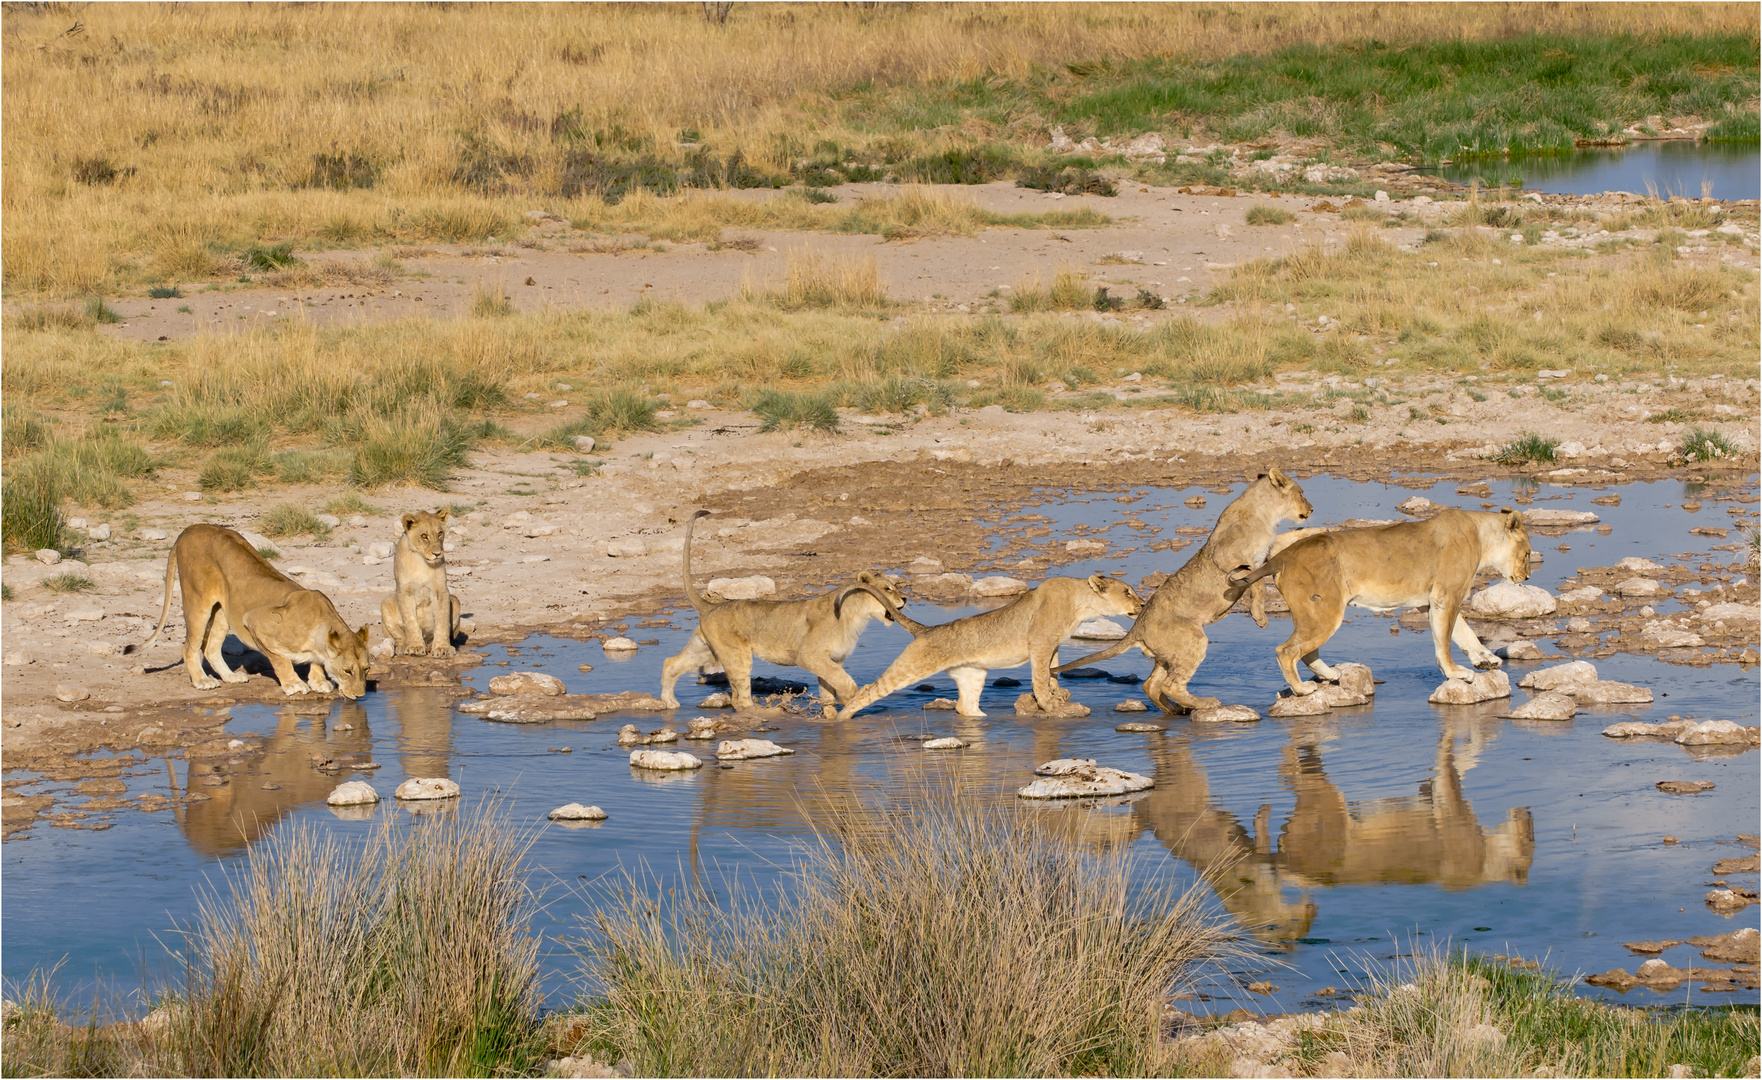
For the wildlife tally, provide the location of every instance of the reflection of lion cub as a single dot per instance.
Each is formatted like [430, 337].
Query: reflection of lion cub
[1172, 628]
[1410, 564]
[227, 586]
[421, 616]
[1025, 631]
[816, 634]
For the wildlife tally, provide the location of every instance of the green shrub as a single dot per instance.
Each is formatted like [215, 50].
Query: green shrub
[23, 431]
[310, 466]
[271, 257]
[419, 446]
[618, 412]
[235, 468]
[208, 423]
[30, 507]
[69, 581]
[98, 311]
[1528, 447]
[786, 409]
[1702, 444]
[1267, 214]
[165, 292]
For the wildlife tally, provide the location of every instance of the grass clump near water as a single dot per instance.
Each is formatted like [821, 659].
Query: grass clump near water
[1702, 444]
[291, 520]
[1530, 447]
[784, 410]
[931, 937]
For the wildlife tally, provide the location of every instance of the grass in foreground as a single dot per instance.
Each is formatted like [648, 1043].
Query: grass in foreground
[931, 937]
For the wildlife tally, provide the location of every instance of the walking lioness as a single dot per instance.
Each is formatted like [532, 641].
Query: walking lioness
[228, 587]
[1172, 628]
[1410, 564]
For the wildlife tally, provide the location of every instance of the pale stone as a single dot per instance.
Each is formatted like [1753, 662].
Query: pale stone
[151, 534]
[664, 760]
[584, 444]
[381, 549]
[1545, 706]
[1084, 547]
[618, 644]
[626, 547]
[1290, 704]
[1099, 630]
[1485, 686]
[630, 735]
[945, 743]
[1074, 777]
[99, 532]
[1639, 729]
[1225, 714]
[1588, 594]
[717, 701]
[65, 692]
[48, 556]
[1416, 505]
[942, 704]
[746, 588]
[1684, 787]
[922, 565]
[329, 521]
[706, 727]
[1338, 697]
[1558, 518]
[1635, 565]
[576, 812]
[1548, 678]
[1139, 728]
[1607, 693]
[743, 749]
[527, 682]
[1662, 635]
[1356, 679]
[1716, 732]
[1578, 624]
[542, 709]
[999, 586]
[1730, 613]
[1131, 706]
[85, 615]
[1521, 650]
[1510, 600]
[419, 788]
[1637, 586]
[353, 793]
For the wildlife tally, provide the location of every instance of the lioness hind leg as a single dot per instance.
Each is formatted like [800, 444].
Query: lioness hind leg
[968, 682]
[1180, 649]
[218, 628]
[1320, 667]
[195, 632]
[1470, 643]
[739, 666]
[1313, 622]
[696, 654]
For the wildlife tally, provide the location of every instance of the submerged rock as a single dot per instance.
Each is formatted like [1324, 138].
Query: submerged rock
[1131, 706]
[1662, 635]
[743, 749]
[1485, 686]
[1545, 706]
[1508, 600]
[942, 704]
[1558, 519]
[1139, 728]
[1639, 729]
[537, 711]
[1738, 947]
[1227, 714]
[1636, 586]
[630, 735]
[1634, 565]
[948, 742]
[1028, 705]
[717, 701]
[1717, 732]
[353, 793]
[418, 788]
[707, 727]
[527, 682]
[1727, 901]
[664, 760]
[1684, 787]
[1607, 693]
[576, 812]
[1067, 778]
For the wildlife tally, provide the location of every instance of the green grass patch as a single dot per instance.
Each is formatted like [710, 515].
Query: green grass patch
[291, 520]
[97, 311]
[235, 468]
[350, 503]
[784, 410]
[1267, 214]
[1530, 447]
[1704, 444]
[24, 431]
[30, 508]
[68, 581]
[419, 446]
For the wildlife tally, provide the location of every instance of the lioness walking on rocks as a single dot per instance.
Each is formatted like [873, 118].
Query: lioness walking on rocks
[1172, 629]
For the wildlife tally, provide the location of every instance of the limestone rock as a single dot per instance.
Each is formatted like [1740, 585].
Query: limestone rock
[1684, 787]
[379, 549]
[1578, 624]
[923, 565]
[626, 547]
[1549, 678]
[48, 556]
[707, 727]
[1337, 696]
[538, 710]
[1508, 600]
[664, 760]
[1603, 692]
[66, 692]
[1139, 728]
[1727, 901]
[942, 704]
[1730, 613]
[1075, 777]
[576, 812]
[1226, 714]
[99, 532]
[1636, 586]
[1485, 686]
[1588, 594]
[1085, 547]
[1099, 630]
[1635, 565]
[419, 787]
[1131, 706]
[747, 588]
[584, 444]
[1545, 706]
[353, 793]
[1662, 635]
[743, 749]
[1738, 947]
[618, 644]
[527, 682]
[1028, 705]
[629, 735]
[999, 586]
[1716, 732]
[946, 743]
[1521, 650]
[1290, 704]
[1417, 505]
[717, 701]
[1557, 519]
[1356, 679]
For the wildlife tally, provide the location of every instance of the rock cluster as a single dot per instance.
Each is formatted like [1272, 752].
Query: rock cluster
[1688, 732]
[419, 788]
[1578, 680]
[1067, 778]
[630, 735]
[527, 682]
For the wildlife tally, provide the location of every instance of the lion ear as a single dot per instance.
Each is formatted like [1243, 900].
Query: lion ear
[409, 520]
[443, 513]
[1278, 478]
[865, 577]
[1513, 519]
[1098, 582]
[362, 634]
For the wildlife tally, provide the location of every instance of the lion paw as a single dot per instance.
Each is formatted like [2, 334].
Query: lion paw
[295, 687]
[1303, 688]
[205, 683]
[1465, 674]
[1195, 704]
[442, 650]
[236, 677]
[320, 686]
[1488, 661]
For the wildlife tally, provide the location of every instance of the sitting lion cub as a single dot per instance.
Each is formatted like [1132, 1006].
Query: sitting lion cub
[1411, 564]
[228, 587]
[1025, 631]
[1172, 628]
[421, 617]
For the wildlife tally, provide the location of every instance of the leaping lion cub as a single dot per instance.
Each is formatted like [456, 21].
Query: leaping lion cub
[1172, 628]
[1025, 631]
[1409, 564]
[421, 616]
[228, 587]
[816, 635]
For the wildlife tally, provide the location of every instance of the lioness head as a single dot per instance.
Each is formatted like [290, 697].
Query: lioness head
[1286, 494]
[1511, 556]
[426, 534]
[886, 588]
[1119, 596]
[348, 662]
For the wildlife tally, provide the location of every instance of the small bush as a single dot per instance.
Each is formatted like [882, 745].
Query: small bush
[30, 508]
[784, 409]
[234, 468]
[900, 393]
[1702, 444]
[290, 520]
[1528, 447]
[1012, 396]
[351, 503]
[491, 303]
[70, 581]
[1267, 214]
[208, 423]
[273, 257]
[165, 292]
[98, 311]
[420, 446]
[23, 431]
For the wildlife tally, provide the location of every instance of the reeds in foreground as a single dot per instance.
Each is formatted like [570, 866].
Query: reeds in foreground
[935, 937]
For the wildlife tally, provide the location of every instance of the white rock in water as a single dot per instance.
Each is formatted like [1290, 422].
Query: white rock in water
[1075, 777]
[1225, 714]
[1545, 706]
[1356, 679]
[716, 701]
[1140, 728]
[425, 787]
[1289, 704]
[942, 704]
[1548, 678]
[353, 793]
[627, 547]
[1662, 635]
[1730, 613]
[1635, 565]
[742, 749]
[1099, 630]
[1587, 594]
[922, 565]
[746, 588]
[1416, 505]
[576, 812]
[584, 443]
[1716, 733]
[381, 549]
[618, 644]
[1084, 547]
[999, 586]
[527, 682]
[947, 743]
[1637, 586]
[1607, 693]
[1485, 686]
[1521, 650]
[664, 760]
[1639, 729]
[1558, 518]
[1131, 706]
[1512, 601]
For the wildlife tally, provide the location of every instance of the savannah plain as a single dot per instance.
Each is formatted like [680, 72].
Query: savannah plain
[863, 279]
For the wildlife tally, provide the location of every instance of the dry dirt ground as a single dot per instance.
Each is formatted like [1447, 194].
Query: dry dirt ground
[531, 536]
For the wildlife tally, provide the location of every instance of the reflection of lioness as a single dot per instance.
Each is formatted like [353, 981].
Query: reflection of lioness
[1172, 628]
[816, 635]
[1410, 564]
[421, 616]
[1026, 631]
[227, 586]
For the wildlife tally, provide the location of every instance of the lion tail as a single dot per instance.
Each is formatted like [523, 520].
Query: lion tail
[165, 605]
[1108, 653]
[912, 627]
[691, 593]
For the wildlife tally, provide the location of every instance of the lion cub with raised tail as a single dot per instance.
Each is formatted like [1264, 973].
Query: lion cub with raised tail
[1025, 631]
[420, 616]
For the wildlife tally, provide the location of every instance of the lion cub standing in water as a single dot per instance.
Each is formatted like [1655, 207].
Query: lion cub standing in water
[421, 617]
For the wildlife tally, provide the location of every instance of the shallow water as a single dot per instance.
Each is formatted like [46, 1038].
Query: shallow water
[1348, 839]
[1667, 167]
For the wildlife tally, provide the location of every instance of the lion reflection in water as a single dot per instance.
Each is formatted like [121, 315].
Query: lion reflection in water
[1432, 837]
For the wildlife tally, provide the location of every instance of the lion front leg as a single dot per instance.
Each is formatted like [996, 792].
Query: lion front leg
[415, 633]
[1470, 644]
[1446, 613]
[446, 630]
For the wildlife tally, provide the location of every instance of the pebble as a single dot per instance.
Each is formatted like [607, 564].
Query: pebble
[1134, 727]
[1223, 714]
[1521, 650]
[618, 644]
[945, 743]
[1131, 706]
[419, 788]
[381, 549]
[576, 812]
[1485, 686]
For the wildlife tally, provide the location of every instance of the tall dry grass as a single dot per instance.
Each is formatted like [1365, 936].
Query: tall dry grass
[931, 937]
